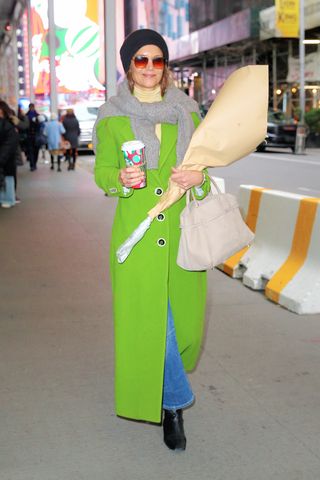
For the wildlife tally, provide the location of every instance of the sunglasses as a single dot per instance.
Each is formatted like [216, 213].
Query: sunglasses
[140, 61]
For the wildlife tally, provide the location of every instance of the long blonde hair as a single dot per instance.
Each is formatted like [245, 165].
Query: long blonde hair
[165, 82]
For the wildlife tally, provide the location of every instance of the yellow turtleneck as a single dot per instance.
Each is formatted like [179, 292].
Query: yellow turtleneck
[149, 96]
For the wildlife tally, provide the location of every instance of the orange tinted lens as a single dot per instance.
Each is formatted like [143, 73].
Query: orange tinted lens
[140, 61]
[158, 62]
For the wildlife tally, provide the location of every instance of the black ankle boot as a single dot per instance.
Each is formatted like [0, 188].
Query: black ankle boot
[173, 432]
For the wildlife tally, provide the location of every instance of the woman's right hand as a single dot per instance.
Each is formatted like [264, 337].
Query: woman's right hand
[131, 176]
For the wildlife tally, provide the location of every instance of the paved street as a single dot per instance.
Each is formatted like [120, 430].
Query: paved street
[278, 169]
[275, 168]
[257, 384]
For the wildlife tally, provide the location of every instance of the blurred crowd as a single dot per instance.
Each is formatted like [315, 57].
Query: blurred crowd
[23, 135]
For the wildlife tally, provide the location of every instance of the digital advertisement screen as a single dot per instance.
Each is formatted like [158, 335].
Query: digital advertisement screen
[79, 56]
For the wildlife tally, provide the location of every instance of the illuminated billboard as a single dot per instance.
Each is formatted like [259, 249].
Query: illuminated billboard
[77, 45]
[79, 32]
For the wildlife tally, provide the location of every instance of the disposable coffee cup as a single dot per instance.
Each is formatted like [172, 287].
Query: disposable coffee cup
[134, 155]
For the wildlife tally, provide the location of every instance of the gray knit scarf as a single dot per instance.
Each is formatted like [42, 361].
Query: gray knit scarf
[175, 107]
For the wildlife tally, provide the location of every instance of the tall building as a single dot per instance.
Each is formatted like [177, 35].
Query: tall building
[208, 39]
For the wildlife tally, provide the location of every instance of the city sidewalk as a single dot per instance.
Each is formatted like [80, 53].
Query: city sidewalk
[257, 384]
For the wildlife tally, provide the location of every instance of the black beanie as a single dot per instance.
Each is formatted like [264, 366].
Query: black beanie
[138, 39]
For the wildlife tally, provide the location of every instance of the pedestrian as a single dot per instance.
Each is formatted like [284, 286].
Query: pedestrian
[32, 144]
[72, 127]
[9, 114]
[21, 122]
[41, 137]
[158, 307]
[9, 140]
[53, 130]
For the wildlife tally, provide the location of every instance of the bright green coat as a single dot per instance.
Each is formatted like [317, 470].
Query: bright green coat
[144, 283]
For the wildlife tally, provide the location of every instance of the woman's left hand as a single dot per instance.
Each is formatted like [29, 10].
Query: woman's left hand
[186, 178]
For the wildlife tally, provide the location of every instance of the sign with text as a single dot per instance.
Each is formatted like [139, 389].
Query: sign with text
[287, 18]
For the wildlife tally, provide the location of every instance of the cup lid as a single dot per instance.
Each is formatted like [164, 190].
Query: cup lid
[132, 145]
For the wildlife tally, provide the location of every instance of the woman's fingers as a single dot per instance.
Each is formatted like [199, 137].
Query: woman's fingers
[180, 178]
[186, 178]
[130, 176]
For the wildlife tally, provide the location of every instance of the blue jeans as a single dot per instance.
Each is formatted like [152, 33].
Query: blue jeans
[8, 196]
[177, 392]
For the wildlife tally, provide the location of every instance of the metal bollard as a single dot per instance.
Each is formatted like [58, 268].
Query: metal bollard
[300, 145]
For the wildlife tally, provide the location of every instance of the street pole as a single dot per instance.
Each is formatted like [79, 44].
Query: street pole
[110, 47]
[15, 66]
[302, 60]
[52, 59]
[301, 130]
[30, 52]
[274, 77]
[289, 111]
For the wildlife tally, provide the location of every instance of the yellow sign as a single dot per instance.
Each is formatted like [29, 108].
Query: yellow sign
[287, 18]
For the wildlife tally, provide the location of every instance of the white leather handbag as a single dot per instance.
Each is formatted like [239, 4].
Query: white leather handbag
[212, 230]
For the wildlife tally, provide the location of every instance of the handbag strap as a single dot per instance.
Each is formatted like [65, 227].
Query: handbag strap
[213, 183]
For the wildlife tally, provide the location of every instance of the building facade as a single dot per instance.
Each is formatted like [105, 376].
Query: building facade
[210, 39]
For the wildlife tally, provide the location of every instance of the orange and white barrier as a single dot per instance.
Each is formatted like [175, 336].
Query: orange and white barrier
[273, 236]
[249, 198]
[285, 255]
[296, 285]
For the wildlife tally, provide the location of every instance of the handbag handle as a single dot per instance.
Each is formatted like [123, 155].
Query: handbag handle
[213, 183]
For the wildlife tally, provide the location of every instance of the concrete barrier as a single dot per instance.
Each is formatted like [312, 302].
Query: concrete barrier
[284, 258]
[273, 237]
[249, 198]
[296, 285]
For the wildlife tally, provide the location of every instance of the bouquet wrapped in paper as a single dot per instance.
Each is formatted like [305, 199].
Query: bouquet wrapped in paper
[233, 127]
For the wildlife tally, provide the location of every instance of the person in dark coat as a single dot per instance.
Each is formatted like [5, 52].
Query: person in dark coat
[32, 145]
[9, 140]
[21, 122]
[71, 125]
[9, 163]
[23, 127]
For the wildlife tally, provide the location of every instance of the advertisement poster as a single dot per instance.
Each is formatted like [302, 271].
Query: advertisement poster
[79, 32]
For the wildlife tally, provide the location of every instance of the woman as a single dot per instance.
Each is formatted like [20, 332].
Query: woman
[9, 140]
[72, 128]
[53, 130]
[158, 307]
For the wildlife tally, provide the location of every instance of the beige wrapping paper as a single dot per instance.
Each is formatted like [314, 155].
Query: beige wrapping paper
[233, 127]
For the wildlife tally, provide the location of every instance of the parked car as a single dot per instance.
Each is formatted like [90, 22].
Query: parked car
[86, 114]
[281, 132]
